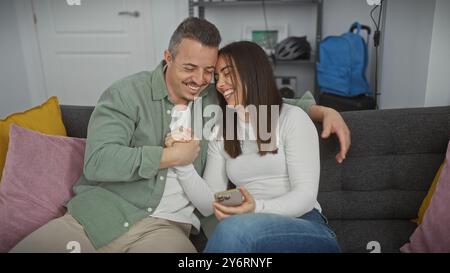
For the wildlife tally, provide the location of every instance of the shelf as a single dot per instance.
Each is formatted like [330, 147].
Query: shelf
[295, 62]
[253, 3]
[311, 61]
[199, 7]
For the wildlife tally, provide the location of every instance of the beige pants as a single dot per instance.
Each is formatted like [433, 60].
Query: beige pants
[66, 235]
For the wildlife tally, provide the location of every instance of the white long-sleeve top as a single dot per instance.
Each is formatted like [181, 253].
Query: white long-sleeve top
[285, 183]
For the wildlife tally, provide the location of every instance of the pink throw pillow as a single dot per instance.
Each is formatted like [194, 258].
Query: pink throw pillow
[433, 235]
[37, 181]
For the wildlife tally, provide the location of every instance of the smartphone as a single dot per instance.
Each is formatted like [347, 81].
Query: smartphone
[231, 197]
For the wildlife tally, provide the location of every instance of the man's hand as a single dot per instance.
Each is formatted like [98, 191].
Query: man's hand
[181, 148]
[187, 152]
[332, 123]
[180, 134]
[247, 206]
[180, 154]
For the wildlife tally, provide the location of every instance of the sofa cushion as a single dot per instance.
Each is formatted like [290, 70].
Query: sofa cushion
[45, 118]
[433, 235]
[389, 168]
[39, 173]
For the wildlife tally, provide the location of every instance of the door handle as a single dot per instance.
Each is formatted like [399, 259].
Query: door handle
[129, 13]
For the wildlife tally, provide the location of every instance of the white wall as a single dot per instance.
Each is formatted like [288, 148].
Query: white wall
[406, 53]
[21, 77]
[438, 82]
[166, 17]
[14, 92]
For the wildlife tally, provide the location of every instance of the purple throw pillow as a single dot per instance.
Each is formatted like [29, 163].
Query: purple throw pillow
[433, 235]
[37, 181]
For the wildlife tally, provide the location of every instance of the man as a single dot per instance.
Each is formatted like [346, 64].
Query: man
[129, 198]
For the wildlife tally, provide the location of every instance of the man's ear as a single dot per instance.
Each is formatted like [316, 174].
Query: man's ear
[168, 56]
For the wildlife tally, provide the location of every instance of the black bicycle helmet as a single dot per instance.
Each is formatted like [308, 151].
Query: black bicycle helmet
[293, 48]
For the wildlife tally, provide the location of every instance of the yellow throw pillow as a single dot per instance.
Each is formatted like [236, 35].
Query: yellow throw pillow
[45, 118]
[426, 201]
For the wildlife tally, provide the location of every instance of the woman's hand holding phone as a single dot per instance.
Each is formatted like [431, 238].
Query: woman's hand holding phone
[248, 205]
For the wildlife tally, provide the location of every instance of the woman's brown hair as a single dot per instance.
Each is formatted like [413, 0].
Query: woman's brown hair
[251, 65]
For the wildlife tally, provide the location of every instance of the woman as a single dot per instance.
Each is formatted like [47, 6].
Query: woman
[277, 173]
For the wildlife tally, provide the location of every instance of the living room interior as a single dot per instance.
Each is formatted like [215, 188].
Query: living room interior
[392, 192]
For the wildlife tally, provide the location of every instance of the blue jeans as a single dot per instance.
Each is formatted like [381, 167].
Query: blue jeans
[264, 232]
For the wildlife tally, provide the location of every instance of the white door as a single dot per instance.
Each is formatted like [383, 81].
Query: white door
[85, 48]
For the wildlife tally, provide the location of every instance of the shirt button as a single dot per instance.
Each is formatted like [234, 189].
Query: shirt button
[168, 112]
[161, 177]
[126, 224]
[149, 209]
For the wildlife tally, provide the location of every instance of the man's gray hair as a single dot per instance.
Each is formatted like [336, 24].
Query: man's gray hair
[197, 29]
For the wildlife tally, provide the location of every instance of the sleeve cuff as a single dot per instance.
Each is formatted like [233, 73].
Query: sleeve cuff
[305, 102]
[151, 158]
[184, 169]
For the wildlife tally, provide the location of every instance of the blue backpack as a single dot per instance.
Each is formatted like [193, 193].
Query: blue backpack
[343, 64]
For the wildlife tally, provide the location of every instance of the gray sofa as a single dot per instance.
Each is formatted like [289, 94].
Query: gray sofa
[376, 192]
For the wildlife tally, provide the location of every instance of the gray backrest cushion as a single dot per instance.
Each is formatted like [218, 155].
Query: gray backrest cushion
[76, 119]
[393, 158]
[392, 161]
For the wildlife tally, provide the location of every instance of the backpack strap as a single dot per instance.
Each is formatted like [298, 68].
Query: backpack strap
[356, 25]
